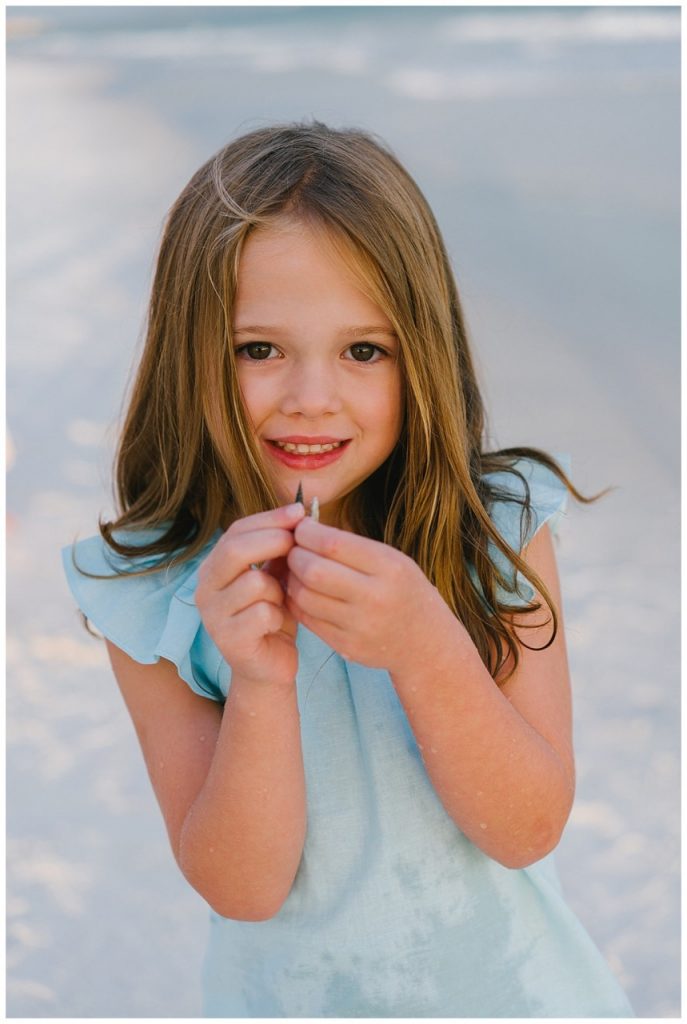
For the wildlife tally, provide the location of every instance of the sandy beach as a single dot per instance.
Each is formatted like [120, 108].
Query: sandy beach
[547, 141]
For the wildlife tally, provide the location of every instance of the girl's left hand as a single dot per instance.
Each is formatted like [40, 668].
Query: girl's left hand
[367, 600]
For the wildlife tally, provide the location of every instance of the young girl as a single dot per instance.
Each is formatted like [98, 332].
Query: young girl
[358, 729]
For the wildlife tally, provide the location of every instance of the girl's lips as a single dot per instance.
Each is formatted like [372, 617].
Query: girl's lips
[306, 460]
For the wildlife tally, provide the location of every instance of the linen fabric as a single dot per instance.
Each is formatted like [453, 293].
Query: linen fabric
[393, 912]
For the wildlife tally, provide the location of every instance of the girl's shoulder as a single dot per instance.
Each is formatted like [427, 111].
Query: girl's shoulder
[527, 483]
[524, 498]
[149, 616]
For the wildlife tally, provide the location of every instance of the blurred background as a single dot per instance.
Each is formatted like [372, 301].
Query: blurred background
[547, 141]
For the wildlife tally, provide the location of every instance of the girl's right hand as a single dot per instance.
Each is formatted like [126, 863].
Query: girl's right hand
[244, 609]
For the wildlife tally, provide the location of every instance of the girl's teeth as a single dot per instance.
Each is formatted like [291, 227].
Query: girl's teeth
[307, 449]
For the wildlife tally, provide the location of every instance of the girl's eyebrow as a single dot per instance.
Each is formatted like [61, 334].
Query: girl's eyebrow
[254, 329]
[347, 332]
[359, 332]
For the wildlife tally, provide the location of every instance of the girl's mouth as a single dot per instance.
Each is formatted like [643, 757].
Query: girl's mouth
[306, 455]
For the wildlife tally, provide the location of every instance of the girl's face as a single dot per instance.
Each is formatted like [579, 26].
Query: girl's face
[318, 366]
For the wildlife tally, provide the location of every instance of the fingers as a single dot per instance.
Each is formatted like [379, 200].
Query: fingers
[337, 545]
[322, 592]
[285, 517]
[261, 619]
[255, 539]
[323, 576]
[232, 555]
[238, 616]
[302, 601]
[332, 634]
[250, 588]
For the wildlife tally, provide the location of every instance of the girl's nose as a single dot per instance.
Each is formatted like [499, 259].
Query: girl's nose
[311, 391]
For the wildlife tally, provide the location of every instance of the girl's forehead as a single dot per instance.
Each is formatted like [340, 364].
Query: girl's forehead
[293, 247]
[293, 273]
[289, 235]
[304, 260]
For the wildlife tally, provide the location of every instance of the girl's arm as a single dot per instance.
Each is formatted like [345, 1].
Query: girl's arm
[230, 785]
[230, 782]
[500, 759]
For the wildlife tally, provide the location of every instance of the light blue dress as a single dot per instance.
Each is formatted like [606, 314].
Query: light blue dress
[394, 912]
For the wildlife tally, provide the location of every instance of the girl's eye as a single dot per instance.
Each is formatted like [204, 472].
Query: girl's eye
[364, 352]
[255, 350]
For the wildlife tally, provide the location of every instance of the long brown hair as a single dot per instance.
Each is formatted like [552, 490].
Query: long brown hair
[187, 463]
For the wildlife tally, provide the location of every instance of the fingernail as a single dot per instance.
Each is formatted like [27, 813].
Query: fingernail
[295, 507]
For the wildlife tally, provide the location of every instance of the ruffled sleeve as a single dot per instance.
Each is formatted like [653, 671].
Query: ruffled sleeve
[548, 504]
[148, 617]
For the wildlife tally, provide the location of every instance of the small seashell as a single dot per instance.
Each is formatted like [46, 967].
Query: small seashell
[315, 510]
